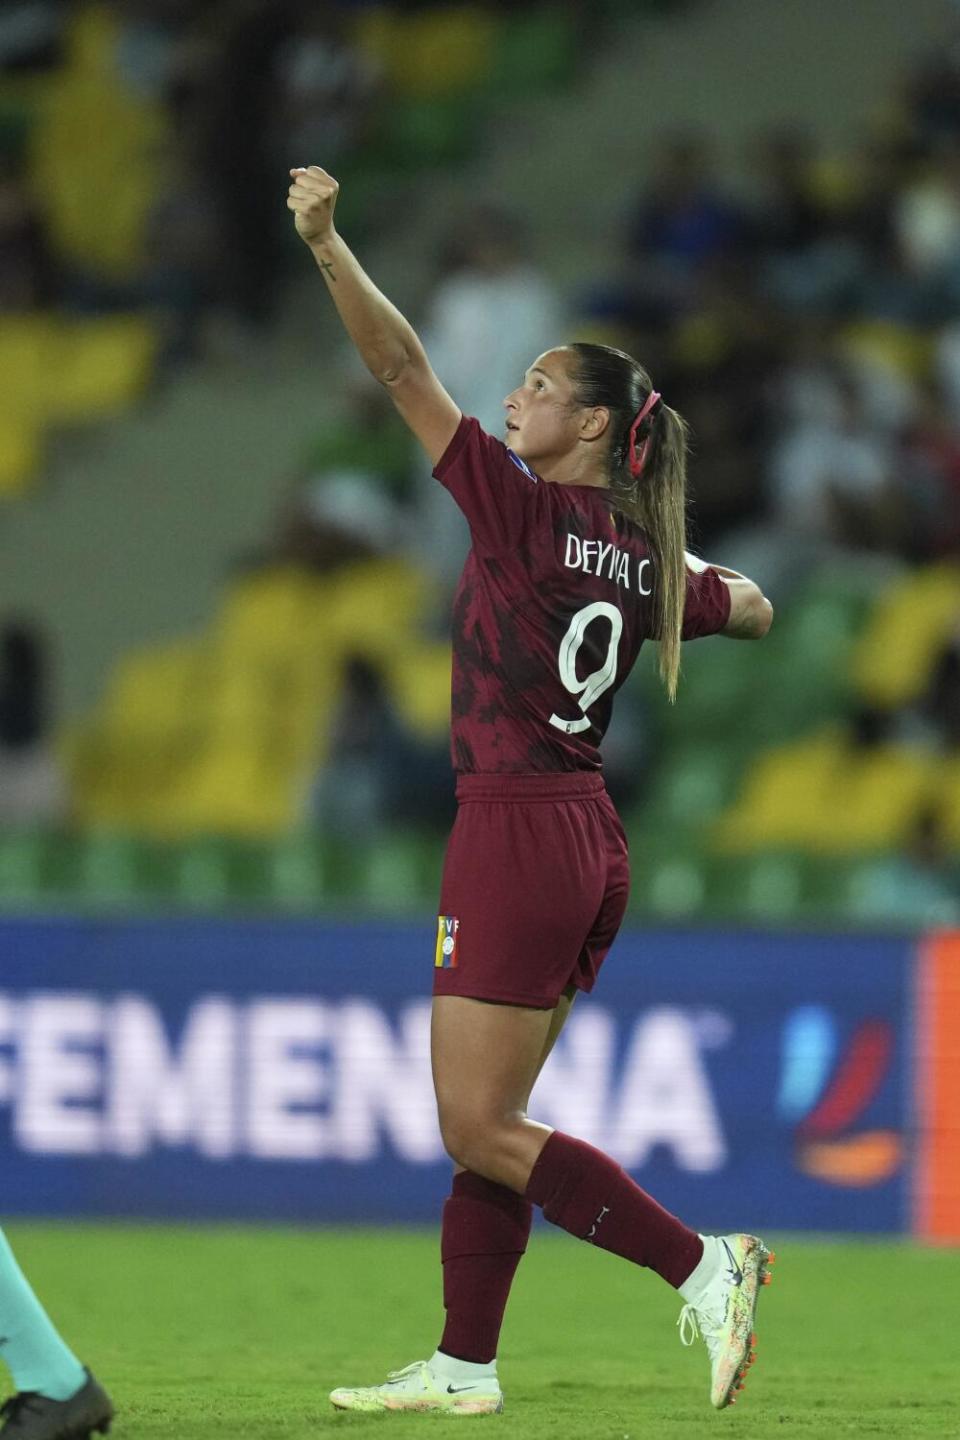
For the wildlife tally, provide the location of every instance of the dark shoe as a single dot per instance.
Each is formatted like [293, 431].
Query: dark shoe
[29, 1416]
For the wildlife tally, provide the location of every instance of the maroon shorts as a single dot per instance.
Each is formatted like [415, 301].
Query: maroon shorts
[534, 888]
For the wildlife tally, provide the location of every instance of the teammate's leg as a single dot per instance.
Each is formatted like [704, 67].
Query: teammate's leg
[55, 1395]
[34, 1353]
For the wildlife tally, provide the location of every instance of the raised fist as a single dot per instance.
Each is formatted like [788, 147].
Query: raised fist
[312, 197]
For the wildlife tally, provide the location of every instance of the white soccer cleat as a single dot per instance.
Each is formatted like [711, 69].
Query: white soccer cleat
[724, 1313]
[419, 1387]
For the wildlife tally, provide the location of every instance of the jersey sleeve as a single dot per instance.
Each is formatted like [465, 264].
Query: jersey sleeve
[491, 485]
[707, 607]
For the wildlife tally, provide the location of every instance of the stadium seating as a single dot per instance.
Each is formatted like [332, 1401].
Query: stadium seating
[222, 733]
[896, 651]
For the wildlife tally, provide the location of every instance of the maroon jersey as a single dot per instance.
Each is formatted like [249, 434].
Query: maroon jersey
[555, 600]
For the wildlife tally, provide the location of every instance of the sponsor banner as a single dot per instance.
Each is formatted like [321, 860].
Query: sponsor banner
[250, 1069]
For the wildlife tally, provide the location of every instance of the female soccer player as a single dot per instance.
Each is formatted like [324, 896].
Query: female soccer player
[577, 557]
[56, 1399]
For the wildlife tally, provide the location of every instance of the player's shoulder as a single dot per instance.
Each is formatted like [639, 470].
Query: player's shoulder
[472, 443]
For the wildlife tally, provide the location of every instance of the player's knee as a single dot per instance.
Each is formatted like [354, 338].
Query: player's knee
[469, 1136]
[456, 1130]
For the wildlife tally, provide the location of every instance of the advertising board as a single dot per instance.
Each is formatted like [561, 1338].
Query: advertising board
[280, 1071]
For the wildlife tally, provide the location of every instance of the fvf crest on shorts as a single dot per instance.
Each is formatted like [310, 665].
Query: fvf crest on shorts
[448, 927]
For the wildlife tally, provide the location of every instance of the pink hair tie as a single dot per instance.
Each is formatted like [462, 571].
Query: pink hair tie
[638, 460]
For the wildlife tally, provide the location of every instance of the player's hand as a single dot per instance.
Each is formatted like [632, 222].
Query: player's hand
[312, 197]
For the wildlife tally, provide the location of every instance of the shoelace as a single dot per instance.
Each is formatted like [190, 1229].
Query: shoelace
[693, 1322]
[394, 1375]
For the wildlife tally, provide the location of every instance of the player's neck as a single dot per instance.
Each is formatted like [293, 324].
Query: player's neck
[575, 469]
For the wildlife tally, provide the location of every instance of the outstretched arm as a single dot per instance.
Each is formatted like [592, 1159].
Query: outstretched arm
[751, 613]
[387, 343]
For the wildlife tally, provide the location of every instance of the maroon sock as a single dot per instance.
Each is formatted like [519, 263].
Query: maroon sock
[587, 1193]
[484, 1234]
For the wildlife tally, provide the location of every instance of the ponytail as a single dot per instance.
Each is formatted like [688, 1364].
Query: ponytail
[648, 476]
[657, 501]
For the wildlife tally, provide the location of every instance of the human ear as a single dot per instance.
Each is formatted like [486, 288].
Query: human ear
[595, 423]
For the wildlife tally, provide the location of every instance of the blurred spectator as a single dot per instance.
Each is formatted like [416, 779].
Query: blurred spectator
[933, 92]
[929, 476]
[32, 787]
[789, 214]
[26, 267]
[832, 477]
[492, 313]
[30, 34]
[377, 772]
[234, 102]
[327, 90]
[894, 286]
[179, 282]
[366, 434]
[336, 517]
[947, 366]
[718, 370]
[926, 215]
[684, 219]
[942, 704]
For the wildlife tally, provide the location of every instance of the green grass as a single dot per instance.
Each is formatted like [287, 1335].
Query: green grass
[206, 1333]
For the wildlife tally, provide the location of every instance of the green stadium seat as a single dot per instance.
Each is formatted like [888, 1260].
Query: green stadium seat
[537, 51]
[294, 872]
[202, 874]
[667, 879]
[691, 784]
[23, 855]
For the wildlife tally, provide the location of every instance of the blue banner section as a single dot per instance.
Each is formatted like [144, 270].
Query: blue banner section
[280, 1071]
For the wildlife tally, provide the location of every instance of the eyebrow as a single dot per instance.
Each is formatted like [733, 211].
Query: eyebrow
[535, 370]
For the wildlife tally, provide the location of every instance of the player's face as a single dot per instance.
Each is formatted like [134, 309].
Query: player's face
[542, 418]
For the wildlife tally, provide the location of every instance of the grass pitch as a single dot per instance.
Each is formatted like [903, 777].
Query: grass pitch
[207, 1333]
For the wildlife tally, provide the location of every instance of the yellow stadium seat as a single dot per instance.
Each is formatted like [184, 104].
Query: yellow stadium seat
[224, 733]
[825, 796]
[57, 370]
[948, 792]
[99, 367]
[907, 353]
[442, 51]
[20, 454]
[894, 657]
[26, 346]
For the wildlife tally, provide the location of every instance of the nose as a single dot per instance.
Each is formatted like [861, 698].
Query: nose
[510, 403]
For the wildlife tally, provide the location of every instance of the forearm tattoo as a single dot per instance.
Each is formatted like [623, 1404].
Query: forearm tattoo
[327, 269]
